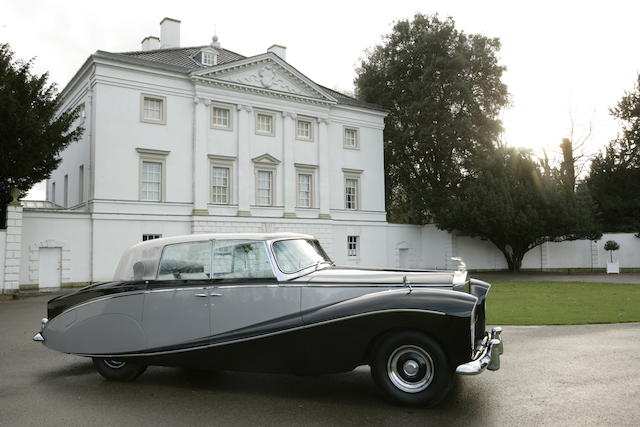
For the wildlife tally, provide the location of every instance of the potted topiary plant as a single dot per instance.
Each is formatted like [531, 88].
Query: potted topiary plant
[610, 246]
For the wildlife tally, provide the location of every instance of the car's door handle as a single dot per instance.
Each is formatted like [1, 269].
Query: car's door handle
[215, 294]
[200, 295]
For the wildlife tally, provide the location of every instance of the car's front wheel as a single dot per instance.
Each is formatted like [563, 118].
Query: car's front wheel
[411, 368]
[119, 370]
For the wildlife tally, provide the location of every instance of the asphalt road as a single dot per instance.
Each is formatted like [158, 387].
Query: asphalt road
[551, 375]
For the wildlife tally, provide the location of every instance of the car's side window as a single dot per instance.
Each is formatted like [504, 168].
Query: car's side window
[186, 261]
[241, 259]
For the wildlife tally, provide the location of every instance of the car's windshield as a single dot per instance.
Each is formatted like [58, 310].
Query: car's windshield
[297, 254]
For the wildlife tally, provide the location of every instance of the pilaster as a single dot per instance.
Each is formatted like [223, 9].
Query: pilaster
[288, 167]
[245, 174]
[324, 186]
[13, 249]
[200, 160]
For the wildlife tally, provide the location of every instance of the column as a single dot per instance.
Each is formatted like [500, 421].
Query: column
[544, 256]
[324, 185]
[288, 166]
[245, 174]
[200, 166]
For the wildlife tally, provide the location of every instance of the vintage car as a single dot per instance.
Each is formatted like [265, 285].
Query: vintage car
[276, 303]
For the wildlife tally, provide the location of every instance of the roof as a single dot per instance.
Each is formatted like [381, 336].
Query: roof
[180, 60]
[182, 56]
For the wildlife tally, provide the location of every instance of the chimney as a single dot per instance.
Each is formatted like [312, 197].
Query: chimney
[169, 33]
[150, 43]
[279, 50]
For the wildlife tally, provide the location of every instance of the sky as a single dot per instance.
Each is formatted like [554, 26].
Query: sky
[567, 61]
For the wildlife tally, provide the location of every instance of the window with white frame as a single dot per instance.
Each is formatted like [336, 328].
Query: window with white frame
[305, 190]
[81, 184]
[351, 138]
[220, 185]
[146, 237]
[264, 124]
[151, 181]
[304, 129]
[152, 174]
[352, 246]
[351, 192]
[153, 109]
[208, 58]
[66, 191]
[220, 117]
[264, 188]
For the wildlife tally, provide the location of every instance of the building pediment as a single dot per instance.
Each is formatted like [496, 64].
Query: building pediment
[266, 160]
[265, 73]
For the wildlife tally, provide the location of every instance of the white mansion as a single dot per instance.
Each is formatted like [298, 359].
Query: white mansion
[183, 140]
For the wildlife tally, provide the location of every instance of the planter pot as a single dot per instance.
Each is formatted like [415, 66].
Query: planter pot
[613, 268]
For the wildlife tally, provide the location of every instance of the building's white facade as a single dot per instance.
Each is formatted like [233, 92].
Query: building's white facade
[190, 140]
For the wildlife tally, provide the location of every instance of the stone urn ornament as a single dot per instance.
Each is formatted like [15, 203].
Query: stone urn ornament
[15, 193]
[612, 267]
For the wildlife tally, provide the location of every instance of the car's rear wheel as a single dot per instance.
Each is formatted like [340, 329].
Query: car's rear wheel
[411, 368]
[119, 370]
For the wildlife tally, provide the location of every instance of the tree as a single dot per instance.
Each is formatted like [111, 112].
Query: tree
[611, 246]
[32, 130]
[513, 204]
[444, 92]
[614, 179]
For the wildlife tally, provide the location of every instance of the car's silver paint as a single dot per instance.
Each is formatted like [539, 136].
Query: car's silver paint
[244, 305]
[318, 296]
[255, 337]
[175, 315]
[106, 325]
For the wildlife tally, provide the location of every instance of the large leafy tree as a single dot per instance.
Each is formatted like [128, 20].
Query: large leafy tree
[444, 92]
[32, 130]
[513, 203]
[614, 179]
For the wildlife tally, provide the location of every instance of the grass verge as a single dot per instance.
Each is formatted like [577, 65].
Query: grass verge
[562, 303]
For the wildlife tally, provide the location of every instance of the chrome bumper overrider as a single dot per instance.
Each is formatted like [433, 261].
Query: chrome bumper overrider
[38, 337]
[489, 357]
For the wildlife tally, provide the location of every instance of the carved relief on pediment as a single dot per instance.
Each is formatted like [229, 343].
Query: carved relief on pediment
[268, 76]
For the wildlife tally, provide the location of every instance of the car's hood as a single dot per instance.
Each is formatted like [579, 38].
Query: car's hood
[383, 277]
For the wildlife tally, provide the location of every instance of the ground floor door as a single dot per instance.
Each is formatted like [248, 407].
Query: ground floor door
[49, 267]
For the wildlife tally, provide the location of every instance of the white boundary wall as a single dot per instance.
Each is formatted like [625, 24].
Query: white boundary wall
[91, 244]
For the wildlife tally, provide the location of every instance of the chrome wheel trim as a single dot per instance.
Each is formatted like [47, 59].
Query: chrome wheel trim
[114, 364]
[410, 368]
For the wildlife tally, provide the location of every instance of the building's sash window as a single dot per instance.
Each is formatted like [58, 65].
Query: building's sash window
[208, 58]
[351, 193]
[265, 124]
[351, 139]
[152, 174]
[305, 189]
[304, 129]
[153, 109]
[146, 237]
[220, 186]
[66, 191]
[151, 181]
[81, 184]
[221, 117]
[352, 246]
[264, 188]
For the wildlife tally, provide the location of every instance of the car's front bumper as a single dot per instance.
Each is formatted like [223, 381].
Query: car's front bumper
[488, 355]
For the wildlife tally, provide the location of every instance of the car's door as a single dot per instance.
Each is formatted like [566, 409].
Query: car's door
[176, 306]
[246, 293]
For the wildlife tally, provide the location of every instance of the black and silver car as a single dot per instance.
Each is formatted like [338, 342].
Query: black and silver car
[276, 303]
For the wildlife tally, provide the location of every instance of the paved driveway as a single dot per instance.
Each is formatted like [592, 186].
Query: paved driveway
[551, 375]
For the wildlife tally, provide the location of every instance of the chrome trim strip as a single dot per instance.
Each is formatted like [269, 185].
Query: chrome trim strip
[239, 340]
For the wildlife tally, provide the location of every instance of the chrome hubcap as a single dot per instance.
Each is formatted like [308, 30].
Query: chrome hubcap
[114, 364]
[410, 368]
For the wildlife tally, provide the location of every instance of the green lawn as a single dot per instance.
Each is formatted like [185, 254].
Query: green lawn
[562, 303]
